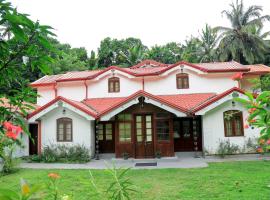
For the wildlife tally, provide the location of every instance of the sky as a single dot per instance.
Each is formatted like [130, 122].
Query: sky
[84, 23]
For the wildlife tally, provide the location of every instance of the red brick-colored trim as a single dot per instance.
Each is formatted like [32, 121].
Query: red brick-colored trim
[39, 137]
[145, 94]
[218, 97]
[62, 99]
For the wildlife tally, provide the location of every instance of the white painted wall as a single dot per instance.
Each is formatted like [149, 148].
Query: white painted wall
[72, 90]
[159, 85]
[213, 128]
[82, 129]
[46, 94]
[22, 151]
[99, 88]
[198, 83]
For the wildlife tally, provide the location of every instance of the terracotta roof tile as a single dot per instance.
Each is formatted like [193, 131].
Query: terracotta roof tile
[258, 68]
[232, 65]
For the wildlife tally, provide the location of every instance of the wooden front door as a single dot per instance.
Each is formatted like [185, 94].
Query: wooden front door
[144, 147]
[33, 141]
[187, 133]
[106, 137]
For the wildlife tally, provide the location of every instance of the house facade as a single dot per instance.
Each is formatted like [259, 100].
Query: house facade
[145, 110]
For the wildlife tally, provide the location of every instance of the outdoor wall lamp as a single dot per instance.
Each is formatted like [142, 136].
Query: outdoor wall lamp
[64, 111]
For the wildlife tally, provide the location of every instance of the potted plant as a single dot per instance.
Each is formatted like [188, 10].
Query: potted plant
[125, 155]
[158, 154]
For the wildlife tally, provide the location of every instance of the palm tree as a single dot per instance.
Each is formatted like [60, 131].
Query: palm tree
[133, 56]
[208, 38]
[237, 42]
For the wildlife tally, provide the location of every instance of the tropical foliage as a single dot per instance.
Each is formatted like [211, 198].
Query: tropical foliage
[259, 116]
[240, 42]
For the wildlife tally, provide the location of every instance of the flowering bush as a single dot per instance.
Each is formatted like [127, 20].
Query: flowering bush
[8, 141]
[259, 116]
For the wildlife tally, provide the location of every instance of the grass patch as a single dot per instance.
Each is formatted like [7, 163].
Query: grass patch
[231, 180]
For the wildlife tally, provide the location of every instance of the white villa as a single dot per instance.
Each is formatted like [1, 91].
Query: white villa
[144, 110]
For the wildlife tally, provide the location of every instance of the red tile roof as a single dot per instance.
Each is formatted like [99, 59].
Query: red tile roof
[258, 69]
[152, 68]
[147, 63]
[187, 103]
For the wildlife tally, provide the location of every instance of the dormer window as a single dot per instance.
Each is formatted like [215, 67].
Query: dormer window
[114, 84]
[182, 81]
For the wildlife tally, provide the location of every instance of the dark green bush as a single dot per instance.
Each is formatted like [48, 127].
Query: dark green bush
[63, 153]
[226, 148]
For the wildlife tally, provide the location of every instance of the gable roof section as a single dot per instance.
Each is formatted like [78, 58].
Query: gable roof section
[146, 63]
[258, 69]
[79, 105]
[216, 98]
[184, 103]
[156, 69]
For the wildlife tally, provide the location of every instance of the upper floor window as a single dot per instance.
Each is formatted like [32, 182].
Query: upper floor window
[64, 129]
[233, 123]
[182, 81]
[114, 84]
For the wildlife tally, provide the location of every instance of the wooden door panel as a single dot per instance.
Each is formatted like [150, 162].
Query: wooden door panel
[106, 137]
[144, 136]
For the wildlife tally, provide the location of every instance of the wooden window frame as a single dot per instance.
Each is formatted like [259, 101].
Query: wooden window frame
[181, 78]
[164, 118]
[65, 121]
[125, 121]
[233, 123]
[113, 81]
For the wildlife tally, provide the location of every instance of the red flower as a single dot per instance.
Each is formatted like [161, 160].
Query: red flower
[11, 135]
[237, 76]
[260, 150]
[8, 126]
[252, 120]
[262, 141]
[251, 110]
[268, 142]
[53, 175]
[246, 126]
[12, 130]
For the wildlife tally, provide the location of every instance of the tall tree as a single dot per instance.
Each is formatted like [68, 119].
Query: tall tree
[237, 42]
[111, 51]
[132, 56]
[24, 48]
[208, 38]
[169, 53]
[192, 47]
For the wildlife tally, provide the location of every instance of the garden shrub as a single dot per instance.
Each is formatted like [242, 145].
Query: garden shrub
[63, 153]
[226, 148]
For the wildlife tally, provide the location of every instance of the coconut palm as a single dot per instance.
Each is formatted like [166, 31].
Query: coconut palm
[237, 42]
[133, 56]
[208, 38]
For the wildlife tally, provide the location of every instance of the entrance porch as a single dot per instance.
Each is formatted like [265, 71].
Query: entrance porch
[146, 131]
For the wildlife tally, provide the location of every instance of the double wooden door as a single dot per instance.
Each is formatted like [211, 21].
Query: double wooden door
[144, 147]
[106, 137]
[187, 134]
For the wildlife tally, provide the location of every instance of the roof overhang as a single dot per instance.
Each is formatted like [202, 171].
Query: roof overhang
[218, 100]
[58, 103]
[149, 98]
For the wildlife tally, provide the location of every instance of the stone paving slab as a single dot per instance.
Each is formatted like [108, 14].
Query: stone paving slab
[163, 163]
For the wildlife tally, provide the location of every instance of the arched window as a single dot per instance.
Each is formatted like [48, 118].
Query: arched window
[182, 81]
[233, 123]
[64, 129]
[114, 84]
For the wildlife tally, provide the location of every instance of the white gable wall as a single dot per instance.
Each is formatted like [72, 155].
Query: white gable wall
[99, 88]
[213, 128]
[46, 94]
[83, 130]
[72, 90]
[198, 83]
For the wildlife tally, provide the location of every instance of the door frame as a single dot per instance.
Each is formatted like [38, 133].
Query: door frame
[144, 134]
[104, 134]
[33, 136]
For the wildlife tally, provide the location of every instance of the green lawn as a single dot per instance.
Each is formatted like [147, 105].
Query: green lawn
[234, 180]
